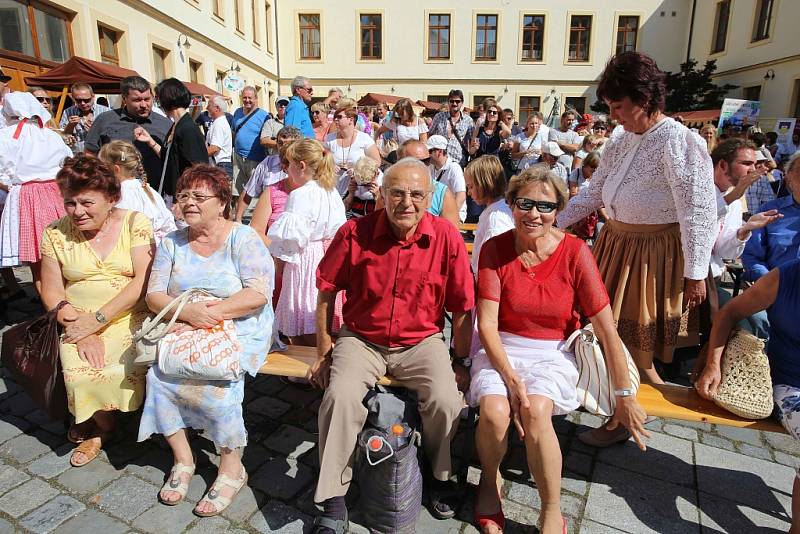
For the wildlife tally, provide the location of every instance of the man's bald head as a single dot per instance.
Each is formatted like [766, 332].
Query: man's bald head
[414, 148]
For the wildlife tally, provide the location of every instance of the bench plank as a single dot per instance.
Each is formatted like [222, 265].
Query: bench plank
[295, 362]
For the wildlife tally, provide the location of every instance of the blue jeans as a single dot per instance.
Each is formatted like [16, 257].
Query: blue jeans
[757, 324]
[227, 166]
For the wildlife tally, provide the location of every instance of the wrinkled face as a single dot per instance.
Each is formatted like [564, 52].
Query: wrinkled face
[533, 223]
[199, 205]
[249, 100]
[88, 209]
[406, 194]
[305, 92]
[44, 99]
[792, 178]
[281, 106]
[84, 99]
[631, 116]
[138, 103]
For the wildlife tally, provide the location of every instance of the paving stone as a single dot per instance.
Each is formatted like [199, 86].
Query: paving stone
[699, 425]
[216, 524]
[578, 463]
[10, 477]
[574, 485]
[89, 478]
[26, 497]
[282, 478]
[758, 483]
[53, 463]
[122, 452]
[269, 407]
[299, 396]
[716, 441]
[6, 527]
[94, 520]
[783, 442]
[291, 441]
[527, 495]
[126, 498]
[153, 466]
[161, 518]
[24, 448]
[427, 524]
[666, 458]
[49, 516]
[244, 505]
[278, 518]
[635, 503]
[516, 513]
[745, 435]
[40, 419]
[592, 527]
[755, 452]
[721, 515]
[11, 426]
[268, 385]
[680, 431]
[787, 459]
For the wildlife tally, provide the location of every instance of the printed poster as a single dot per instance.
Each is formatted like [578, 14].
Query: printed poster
[739, 113]
[784, 129]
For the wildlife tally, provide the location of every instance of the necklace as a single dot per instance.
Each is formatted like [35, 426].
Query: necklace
[346, 151]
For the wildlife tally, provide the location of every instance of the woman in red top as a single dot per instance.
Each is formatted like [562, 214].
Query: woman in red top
[534, 284]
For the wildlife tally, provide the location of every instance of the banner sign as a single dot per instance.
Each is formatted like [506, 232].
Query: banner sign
[784, 128]
[739, 113]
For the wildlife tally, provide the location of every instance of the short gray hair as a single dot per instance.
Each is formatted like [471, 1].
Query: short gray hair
[335, 90]
[250, 88]
[299, 81]
[219, 101]
[289, 132]
[792, 160]
[405, 162]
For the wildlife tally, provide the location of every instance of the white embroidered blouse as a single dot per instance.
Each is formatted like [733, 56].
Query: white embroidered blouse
[662, 176]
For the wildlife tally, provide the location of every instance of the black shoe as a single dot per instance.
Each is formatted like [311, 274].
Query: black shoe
[329, 525]
[440, 496]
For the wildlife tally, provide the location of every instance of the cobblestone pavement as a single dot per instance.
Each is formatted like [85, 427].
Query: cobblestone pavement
[693, 477]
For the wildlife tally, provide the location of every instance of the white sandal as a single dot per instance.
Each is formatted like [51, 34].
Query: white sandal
[216, 499]
[174, 483]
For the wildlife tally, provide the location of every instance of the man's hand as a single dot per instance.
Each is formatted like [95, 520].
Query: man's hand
[739, 189]
[319, 374]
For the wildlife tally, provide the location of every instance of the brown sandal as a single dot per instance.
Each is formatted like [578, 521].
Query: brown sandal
[90, 448]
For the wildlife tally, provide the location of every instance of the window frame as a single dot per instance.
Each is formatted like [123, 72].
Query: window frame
[525, 13]
[476, 103]
[165, 54]
[520, 96]
[590, 42]
[583, 97]
[199, 71]
[218, 9]
[254, 23]
[715, 29]
[118, 36]
[757, 9]
[268, 30]
[443, 96]
[439, 12]
[474, 50]
[637, 34]
[758, 85]
[793, 109]
[360, 58]
[36, 58]
[299, 58]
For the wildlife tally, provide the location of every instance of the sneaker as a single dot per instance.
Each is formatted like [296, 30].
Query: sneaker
[602, 437]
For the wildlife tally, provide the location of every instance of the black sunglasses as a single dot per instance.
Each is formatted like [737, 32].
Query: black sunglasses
[83, 100]
[542, 206]
[455, 101]
[43, 98]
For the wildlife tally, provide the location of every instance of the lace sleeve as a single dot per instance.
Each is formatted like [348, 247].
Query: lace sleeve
[690, 175]
[589, 199]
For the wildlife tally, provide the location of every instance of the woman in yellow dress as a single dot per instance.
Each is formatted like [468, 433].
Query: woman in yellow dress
[97, 258]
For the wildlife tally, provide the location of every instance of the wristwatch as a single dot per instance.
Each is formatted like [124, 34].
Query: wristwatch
[100, 317]
[466, 361]
[624, 392]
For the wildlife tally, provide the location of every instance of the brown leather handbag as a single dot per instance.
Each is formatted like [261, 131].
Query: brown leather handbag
[30, 352]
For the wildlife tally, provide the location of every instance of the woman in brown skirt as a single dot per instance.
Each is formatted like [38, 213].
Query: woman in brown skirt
[655, 180]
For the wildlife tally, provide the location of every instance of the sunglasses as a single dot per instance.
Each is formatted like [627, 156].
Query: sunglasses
[542, 206]
[491, 112]
[455, 101]
[82, 100]
[599, 128]
[43, 98]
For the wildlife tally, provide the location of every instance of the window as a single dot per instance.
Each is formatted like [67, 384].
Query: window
[477, 100]
[796, 106]
[216, 6]
[194, 71]
[438, 36]
[310, 36]
[752, 92]
[370, 25]
[219, 80]
[34, 30]
[268, 26]
[439, 99]
[109, 41]
[578, 103]
[627, 32]
[159, 64]
[532, 37]
[486, 38]
[580, 33]
[237, 15]
[721, 26]
[527, 105]
[763, 20]
[254, 19]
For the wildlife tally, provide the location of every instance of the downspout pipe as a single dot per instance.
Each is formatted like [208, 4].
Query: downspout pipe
[691, 32]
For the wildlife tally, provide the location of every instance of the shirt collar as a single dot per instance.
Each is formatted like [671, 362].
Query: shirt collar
[123, 115]
[424, 228]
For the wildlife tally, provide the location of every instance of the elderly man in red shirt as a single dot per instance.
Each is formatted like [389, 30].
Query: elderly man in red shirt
[400, 267]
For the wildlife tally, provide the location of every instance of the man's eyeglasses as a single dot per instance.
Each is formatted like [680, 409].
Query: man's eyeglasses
[193, 196]
[455, 101]
[82, 100]
[416, 195]
[43, 99]
[542, 206]
[309, 89]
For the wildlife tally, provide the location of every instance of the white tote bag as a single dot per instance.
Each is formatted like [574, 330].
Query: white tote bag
[595, 385]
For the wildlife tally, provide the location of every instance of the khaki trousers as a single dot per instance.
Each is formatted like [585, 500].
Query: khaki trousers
[356, 367]
[242, 169]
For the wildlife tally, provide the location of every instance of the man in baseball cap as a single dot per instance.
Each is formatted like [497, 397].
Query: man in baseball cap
[550, 154]
[443, 169]
[269, 132]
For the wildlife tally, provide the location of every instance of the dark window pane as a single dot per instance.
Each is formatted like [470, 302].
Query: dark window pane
[53, 40]
[15, 28]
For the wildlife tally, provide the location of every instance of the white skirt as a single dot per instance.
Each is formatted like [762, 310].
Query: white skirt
[545, 366]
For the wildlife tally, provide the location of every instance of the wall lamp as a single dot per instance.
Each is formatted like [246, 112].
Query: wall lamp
[183, 40]
[770, 75]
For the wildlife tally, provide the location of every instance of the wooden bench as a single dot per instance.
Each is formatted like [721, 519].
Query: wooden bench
[671, 402]
[467, 227]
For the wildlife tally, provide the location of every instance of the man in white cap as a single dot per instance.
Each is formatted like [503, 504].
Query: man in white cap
[550, 154]
[443, 169]
[269, 132]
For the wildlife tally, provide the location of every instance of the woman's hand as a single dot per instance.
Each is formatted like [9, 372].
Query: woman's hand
[473, 145]
[79, 326]
[92, 351]
[708, 382]
[518, 399]
[632, 416]
[351, 187]
[143, 136]
[694, 292]
[201, 314]
[179, 328]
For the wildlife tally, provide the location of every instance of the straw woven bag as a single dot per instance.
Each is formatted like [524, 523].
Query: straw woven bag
[745, 388]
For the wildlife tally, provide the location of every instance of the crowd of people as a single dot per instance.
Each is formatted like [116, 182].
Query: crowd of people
[624, 220]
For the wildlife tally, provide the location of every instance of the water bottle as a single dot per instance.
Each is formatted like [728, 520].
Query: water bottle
[399, 436]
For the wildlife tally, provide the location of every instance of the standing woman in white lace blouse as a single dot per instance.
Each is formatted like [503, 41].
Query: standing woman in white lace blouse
[655, 180]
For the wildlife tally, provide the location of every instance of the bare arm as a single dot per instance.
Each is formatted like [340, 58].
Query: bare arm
[241, 206]
[261, 215]
[460, 199]
[373, 152]
[462, 333]
[449, 208]
[320, 370]
[213, 150]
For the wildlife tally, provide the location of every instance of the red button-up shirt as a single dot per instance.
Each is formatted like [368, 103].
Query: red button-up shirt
[396, 290]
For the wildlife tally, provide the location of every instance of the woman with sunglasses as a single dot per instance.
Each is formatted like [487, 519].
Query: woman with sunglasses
[534, 284]
[404, 123]
[319, 121]
[489, 133]
[348, 145]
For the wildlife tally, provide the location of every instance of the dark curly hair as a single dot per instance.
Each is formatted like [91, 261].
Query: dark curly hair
[637, 76]
[88, 173]
[204, 175]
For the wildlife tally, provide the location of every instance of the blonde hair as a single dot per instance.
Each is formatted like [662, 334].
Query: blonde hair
[712, 143]
[365, 169]
[345, 103]
[539, 173]
[125, 156]
[319, 106]
[311, 152]
[488, 177]
[591, 138]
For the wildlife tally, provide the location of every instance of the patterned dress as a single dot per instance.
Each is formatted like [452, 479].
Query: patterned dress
[90, 283]
[211, 405]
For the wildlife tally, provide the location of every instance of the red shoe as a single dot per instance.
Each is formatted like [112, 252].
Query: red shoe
[484, 521]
